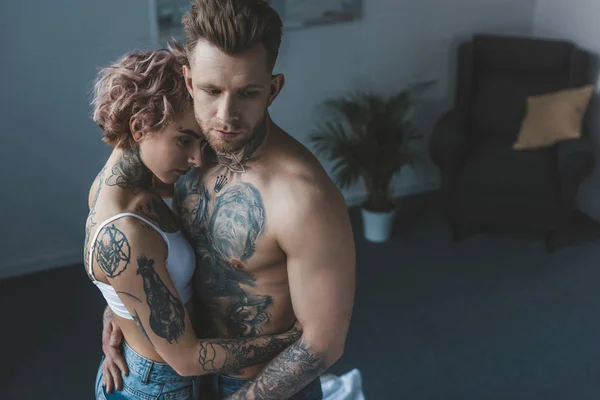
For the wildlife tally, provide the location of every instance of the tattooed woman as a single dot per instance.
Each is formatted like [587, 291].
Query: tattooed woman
[134, 251]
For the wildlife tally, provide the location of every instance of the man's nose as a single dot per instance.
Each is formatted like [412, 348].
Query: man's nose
[227, 112]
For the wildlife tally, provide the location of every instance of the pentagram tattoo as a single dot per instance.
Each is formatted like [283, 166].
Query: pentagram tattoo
[112, 251]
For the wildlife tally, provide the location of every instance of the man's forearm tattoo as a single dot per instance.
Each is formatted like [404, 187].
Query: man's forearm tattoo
[231, 355]
[112, 251]
[167, 314]
[286, 375]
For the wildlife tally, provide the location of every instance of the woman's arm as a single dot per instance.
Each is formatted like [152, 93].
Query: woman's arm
[133, 260]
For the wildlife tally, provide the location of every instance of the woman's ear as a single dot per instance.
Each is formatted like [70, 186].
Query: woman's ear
[135, 130]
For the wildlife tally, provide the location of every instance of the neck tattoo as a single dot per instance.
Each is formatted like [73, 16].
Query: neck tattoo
[236, 163]
[130, 172]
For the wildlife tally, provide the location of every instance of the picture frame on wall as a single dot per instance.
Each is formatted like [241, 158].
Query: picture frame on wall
[167, 14]
[305, 13]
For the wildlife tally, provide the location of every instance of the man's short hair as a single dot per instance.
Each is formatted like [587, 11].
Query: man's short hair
[234, 26]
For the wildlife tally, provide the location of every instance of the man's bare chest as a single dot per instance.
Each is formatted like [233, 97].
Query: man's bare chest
[240, 269]
[225, 218]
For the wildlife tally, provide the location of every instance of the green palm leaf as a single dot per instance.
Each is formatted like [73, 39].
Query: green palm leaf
[369, 137]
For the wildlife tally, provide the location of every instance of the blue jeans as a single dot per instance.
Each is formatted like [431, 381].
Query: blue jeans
[147, 380]
[222, 386]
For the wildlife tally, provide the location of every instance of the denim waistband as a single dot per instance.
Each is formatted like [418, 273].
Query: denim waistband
[149, 370]
[230, 380]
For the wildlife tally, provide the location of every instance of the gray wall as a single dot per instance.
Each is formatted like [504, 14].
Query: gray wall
[51, 150]
[577, 20]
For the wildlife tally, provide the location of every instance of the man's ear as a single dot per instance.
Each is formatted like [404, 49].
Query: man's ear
[135, 130]
[187, 75]
[277, 83]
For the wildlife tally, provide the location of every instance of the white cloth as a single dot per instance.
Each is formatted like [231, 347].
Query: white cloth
[345, 387]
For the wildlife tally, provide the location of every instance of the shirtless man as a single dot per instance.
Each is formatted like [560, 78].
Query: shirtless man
[271, 231]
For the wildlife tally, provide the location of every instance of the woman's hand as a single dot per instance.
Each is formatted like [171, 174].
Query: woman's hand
[114, 363]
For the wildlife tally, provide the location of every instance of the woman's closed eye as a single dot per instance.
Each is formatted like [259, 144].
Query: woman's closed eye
[184, 141]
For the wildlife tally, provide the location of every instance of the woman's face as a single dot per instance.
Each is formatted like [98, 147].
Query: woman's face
[173, 151]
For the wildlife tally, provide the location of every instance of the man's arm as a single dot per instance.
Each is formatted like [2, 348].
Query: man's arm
[315, 232]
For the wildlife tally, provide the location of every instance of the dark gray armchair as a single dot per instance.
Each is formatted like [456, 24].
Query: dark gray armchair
[485, 183]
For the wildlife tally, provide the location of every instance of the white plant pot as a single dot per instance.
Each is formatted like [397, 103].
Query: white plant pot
[378, 226]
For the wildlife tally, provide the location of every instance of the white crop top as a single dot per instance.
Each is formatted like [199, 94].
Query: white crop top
[180, 265]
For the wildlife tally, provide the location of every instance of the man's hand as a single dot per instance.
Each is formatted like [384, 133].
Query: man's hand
[285, 375]
[114, 363]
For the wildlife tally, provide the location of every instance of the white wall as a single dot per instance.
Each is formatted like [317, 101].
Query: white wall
[577, 20]
[51, 150]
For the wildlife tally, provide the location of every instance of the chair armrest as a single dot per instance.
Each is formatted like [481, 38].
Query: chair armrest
[575, 161]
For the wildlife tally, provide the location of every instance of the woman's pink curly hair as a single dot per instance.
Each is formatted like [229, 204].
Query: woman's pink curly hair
[145, 87]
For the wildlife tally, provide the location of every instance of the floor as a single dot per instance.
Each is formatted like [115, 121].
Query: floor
[492, 317]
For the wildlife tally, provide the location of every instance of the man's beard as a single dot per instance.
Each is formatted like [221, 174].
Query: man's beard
[229, 146]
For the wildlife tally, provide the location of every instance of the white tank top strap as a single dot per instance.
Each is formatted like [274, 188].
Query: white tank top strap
[114, 218]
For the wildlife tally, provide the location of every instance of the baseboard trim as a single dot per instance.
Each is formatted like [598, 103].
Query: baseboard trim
[354, 199]
[41, 263]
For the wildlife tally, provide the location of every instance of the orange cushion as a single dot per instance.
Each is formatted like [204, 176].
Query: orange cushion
[553, 117]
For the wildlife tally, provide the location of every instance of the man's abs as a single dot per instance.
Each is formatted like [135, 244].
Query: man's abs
[241, 281]
[240, 311]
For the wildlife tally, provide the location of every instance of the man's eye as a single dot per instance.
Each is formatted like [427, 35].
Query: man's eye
[249, 93]
[212, 92]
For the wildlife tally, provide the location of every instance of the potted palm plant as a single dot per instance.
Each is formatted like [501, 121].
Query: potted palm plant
[370, 137]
